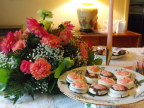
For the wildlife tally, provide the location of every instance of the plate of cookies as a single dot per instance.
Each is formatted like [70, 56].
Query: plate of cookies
[103, 85]
[117, 53]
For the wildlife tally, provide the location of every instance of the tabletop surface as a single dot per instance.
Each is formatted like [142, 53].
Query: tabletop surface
[62, 101]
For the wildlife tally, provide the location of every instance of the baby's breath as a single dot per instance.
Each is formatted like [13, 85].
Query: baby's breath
[80, 61]
[45, 51]
[42, 86]
[7, 62]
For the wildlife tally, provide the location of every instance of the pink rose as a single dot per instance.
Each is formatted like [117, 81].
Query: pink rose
[20, 44]
[25, 66]
[40, 68]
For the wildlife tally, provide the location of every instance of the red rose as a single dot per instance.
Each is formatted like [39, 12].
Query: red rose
[25, 66]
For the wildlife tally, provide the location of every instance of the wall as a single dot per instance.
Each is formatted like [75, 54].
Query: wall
[15, 12]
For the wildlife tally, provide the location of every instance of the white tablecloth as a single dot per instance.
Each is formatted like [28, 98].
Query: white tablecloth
[62, 101]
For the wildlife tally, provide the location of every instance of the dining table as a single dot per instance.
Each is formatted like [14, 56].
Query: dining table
[62, 101]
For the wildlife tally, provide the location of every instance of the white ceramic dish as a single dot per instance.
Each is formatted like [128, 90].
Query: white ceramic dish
[114, 57]
[115, 49]
[136, 94]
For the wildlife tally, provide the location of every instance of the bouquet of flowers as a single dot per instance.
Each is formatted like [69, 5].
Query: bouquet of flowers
[32, 60]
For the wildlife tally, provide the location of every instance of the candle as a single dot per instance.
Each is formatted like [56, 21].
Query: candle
[110, 26]
[110, 31]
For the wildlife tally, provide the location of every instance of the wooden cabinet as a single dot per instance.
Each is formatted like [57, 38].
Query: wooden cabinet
[128, 39]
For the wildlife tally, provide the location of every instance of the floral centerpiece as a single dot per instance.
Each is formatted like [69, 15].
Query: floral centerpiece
[32, 60]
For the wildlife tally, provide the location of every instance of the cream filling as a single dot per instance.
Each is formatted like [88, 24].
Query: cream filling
[70, 80]
[106, 84]
[118, 94]
[91, 80]
[106, 76]
[78, 90]
[101, 92]
[128, 85]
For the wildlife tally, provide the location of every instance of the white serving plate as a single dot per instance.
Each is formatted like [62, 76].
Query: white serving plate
[136, 94]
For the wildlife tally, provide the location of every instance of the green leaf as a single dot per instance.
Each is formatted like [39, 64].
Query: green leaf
[45, 14]
[2, 86]
[68, 62]
[61, 27]
[58, 70]
[51, 87]
[18, 85]
[90, 57]
[4, 75]
[97, 61]
[64, 65]
[33, 40]
[92, 61]
[47, 24]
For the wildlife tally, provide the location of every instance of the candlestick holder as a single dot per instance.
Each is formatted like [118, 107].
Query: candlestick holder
[108, 56]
